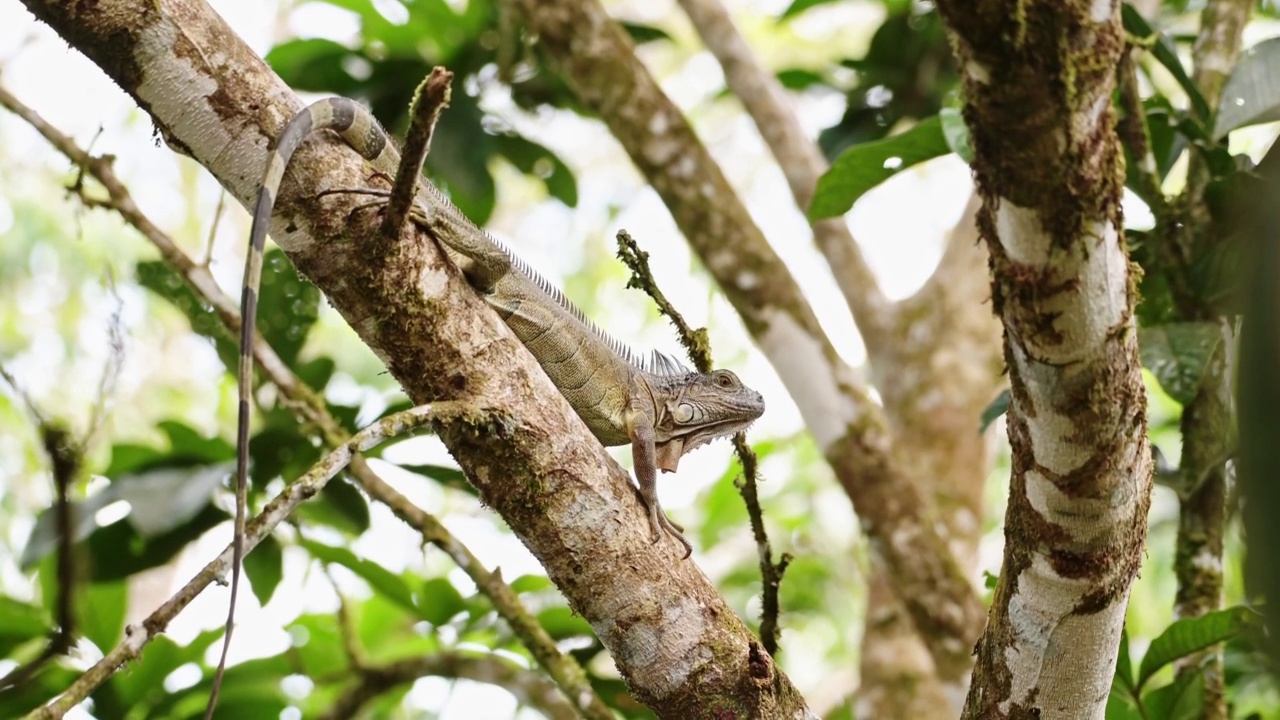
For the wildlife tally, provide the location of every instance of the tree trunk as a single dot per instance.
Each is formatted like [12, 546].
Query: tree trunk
[1038, 82]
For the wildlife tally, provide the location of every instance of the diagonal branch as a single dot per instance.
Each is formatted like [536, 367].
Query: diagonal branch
[312, 412]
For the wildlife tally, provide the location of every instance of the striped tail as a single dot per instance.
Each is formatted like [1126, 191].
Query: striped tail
[361, 132]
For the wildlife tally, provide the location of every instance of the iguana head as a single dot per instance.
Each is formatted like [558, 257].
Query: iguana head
[697, 408]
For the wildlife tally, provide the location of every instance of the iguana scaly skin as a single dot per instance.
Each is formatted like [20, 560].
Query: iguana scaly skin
[655, 404]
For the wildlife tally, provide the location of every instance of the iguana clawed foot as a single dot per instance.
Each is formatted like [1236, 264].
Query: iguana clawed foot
[658, 522]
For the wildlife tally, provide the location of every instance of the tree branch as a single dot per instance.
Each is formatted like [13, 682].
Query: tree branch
[569, 502]
[280, 507]
[765, 101]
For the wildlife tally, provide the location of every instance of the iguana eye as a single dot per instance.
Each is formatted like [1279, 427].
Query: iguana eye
[724, 380]
[683, 413]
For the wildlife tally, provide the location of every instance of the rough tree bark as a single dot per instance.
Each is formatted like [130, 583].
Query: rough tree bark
[1038, 81]
[680, 647]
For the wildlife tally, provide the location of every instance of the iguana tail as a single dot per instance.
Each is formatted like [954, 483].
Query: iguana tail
[361, 131]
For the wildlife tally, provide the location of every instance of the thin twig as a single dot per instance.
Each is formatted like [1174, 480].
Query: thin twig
[697, 345]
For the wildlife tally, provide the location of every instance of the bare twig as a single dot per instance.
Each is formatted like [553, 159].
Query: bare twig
[431, 97]
[64, 462]
[528, 687]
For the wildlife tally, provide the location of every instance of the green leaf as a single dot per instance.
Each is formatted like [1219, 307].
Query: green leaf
[862, 167]
[1182, 699]
[642, 34]
[1177, 354]
[340, 506]
[158, 277]
[20, 622]
[317, 643]
[381, 580]
[998, 407]
[800, 79]
[1252, 94]
[118, 550]
[143, 683]
[533, 159]
[1164, 51]
[1120, 707]
[450, 477]
[160, 500]
[438, 601]
[798, 6]
[1191, 635]
[560, 623]
[264, 567]
[531, 584]
[1124, 663]
[100, 612]
[288, 306]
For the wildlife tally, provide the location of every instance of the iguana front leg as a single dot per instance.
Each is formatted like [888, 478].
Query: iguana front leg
[644, 458]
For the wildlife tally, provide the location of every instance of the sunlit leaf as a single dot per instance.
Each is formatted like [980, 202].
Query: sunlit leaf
[382, 580]
[1252, 94]
[1163, 50]
[439, 600]
[100, 612]
[862, 167]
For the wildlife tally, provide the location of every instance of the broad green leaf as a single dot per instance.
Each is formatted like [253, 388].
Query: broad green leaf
[186, 442]
[381, 580]
[20, 622]
[533, 159]
[340, 506]
[316, 373]
[119, 550]
[264, 567]
[317, 643]
[560, 622]
[288, 306]
[100, 612]
[143, 682]
[1120, 707]
[998, 407]
[438, 601]
[1163, 50]
[862, 167]
[531, 584]
[158, 277]
[1124, 664]
[1252, 94]
[1182, 699]
[800, 79]
[642, 34]
[160, 500]
[1177, 353]
[388, 632]
[450, 477]
[1185, 637]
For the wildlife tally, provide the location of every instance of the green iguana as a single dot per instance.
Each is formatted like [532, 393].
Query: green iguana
[654, 403]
